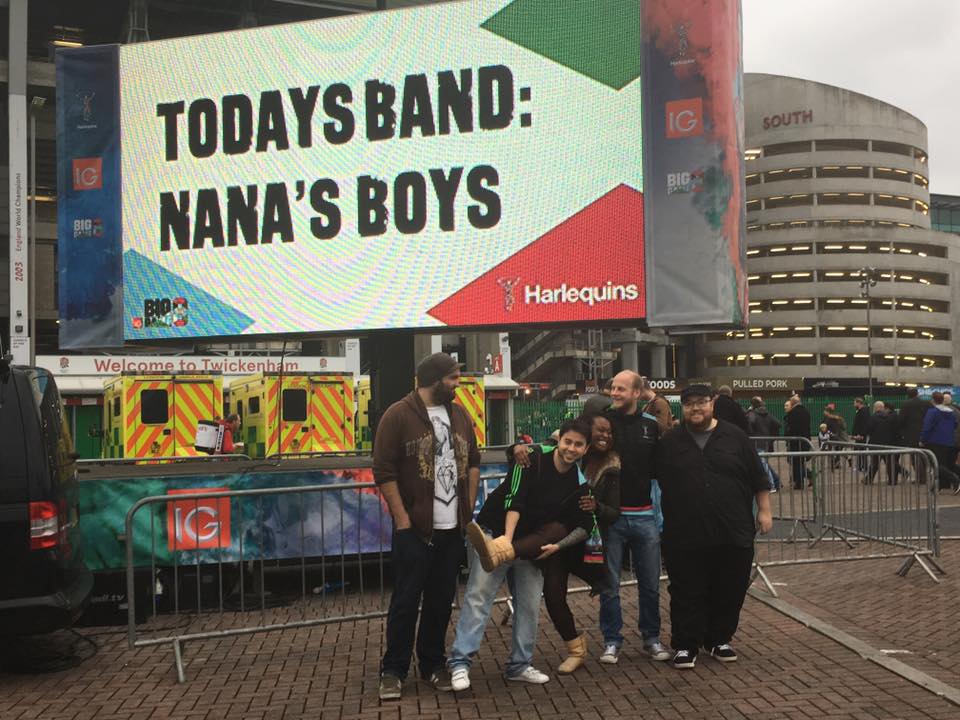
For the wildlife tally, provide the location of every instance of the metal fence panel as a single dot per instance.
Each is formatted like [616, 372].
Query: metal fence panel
[208, 582]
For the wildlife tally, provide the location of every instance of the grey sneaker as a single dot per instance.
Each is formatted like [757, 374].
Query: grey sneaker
[657, 651]
[391, 687]
[611, 654]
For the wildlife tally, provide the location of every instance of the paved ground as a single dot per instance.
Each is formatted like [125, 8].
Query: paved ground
[786, 670]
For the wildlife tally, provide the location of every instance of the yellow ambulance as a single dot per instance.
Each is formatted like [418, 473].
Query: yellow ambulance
[312, 413]
[155, 415]
[471, 395]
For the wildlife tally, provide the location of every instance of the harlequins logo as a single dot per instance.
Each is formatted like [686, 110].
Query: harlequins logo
[508, 285]
[683, 45]
[85, 100]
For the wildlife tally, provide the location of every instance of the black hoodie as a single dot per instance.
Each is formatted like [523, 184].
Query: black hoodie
[761, 423]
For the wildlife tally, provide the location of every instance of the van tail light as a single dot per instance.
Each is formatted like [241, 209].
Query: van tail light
[44, 525]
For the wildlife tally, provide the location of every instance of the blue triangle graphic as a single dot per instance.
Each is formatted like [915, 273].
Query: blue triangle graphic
[206, 316]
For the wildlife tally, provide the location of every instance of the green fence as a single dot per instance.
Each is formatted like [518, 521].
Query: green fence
[540, 418]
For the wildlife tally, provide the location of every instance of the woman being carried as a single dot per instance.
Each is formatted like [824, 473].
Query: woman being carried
[572, 554]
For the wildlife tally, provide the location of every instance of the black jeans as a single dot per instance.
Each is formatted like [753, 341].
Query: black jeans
[427, 571]
[890, 462]
[798, 467]
[707, 588]
[556, 573]
[946, 456]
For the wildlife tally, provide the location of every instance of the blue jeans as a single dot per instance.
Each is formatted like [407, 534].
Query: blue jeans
[772, 476]
[482, 588]
[640, 534]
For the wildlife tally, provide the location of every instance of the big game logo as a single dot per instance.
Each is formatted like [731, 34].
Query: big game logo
[164, 312]
[87, 228]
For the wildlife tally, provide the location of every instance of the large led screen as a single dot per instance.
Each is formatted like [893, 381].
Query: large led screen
[460, 164]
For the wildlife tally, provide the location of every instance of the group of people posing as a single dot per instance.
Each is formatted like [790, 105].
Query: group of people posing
[570, 508]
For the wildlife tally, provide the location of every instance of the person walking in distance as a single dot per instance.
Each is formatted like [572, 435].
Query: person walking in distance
[710, 475]
[882, 429]
[796, 424]
[910, 420]
[939, 425]
[637, 435]
[726, 408]
[427, 467]
[858, 434]
[761, 424]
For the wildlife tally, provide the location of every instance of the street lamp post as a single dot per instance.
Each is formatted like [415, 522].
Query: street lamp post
[868, 279]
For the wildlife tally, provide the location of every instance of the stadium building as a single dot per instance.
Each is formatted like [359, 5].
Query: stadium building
[847, 279]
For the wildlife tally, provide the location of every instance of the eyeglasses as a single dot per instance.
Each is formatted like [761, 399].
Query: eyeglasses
[702, 402]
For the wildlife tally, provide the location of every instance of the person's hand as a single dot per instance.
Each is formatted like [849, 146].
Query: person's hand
[764, 521]
[521, 455]
[547, 551]
[588, 503]
[402, 523]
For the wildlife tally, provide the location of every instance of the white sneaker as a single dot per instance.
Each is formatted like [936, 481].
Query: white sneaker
[530, 675]
[611, 654]
[460, 679]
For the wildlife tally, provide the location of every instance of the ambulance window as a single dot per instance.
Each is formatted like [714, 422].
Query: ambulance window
[153, 407]
[294, 405]
[116, 406]
[239, 409]
[254, 405]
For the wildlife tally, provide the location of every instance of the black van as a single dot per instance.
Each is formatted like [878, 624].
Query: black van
[43, 581]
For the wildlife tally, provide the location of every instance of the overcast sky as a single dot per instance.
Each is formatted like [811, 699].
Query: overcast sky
[901, 53]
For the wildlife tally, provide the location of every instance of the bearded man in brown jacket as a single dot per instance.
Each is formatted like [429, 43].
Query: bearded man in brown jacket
[426, 463]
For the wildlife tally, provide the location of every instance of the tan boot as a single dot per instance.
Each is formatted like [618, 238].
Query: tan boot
[493, 552]
[576, 652]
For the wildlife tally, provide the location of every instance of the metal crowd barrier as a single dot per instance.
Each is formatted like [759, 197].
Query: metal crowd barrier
[175, 460]
[316, 551]
[211, 564]
[851, 502]
[327, 537]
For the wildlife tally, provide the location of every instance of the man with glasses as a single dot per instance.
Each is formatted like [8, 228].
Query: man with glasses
[710, 475]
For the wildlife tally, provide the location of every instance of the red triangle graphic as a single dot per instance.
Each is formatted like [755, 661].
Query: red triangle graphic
[590, 267]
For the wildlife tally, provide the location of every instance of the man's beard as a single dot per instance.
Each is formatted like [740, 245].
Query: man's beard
[442, 396]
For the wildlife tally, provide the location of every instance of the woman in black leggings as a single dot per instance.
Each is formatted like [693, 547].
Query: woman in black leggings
[601, 466]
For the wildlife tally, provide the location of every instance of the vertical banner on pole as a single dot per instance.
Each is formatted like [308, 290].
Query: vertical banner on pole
[693, 107]
[17, 186]
[88, 209]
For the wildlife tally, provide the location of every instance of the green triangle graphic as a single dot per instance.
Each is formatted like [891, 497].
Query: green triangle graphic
[596, 38]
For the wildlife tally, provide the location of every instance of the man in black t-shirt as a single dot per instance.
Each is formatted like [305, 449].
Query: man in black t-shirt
[516, 512]
[710, 475]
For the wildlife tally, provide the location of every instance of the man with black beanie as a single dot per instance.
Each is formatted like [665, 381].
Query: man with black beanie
[427, 466]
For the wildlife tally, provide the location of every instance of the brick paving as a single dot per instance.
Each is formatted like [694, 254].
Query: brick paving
[786, 670]
[868, 600]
